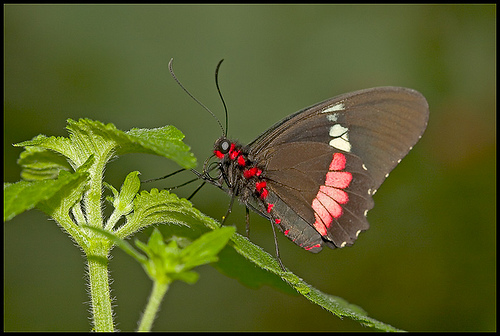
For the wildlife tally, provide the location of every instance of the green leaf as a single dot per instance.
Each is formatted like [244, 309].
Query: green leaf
[168, 262]
[123, 201]
[165, 141]
[163, 263]
[41, 164]
[189, 277]
[24, 195]
[335, 305]
[158, 207]
[234, 265]
[89, 137]
[265, 261]
[184, 214]
[204, 250]
[128, 191]
[45, 157]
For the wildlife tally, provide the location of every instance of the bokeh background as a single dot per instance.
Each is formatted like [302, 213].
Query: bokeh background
[427, 263]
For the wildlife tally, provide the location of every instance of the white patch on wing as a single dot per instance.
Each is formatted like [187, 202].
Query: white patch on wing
[340, 135]
[332, 117]
[332, 108]
[338, 130]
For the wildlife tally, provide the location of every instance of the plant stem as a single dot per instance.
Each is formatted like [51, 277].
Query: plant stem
[102, 312]
[159, 290]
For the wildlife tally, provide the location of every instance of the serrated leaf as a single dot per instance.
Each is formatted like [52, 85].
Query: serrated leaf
[335, 305]
[41, 164]
[165, 141]
[58, 206]
[156, 207]
[265, 261]
[89, 137]
[204, 250]
[24, 195]
[234, 265]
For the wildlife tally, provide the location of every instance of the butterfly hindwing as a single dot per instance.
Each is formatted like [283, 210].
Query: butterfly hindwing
[293, 226]
[336, 209]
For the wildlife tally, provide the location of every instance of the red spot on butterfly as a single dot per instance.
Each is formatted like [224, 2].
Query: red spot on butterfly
[327, 203]
[338, 179]
[311, 247]
[233, 154]
[219, 154]
[338, 162]
[254, 171]
[269, 207]
[260, 185]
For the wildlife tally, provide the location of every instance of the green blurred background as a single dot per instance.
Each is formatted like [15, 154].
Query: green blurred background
[427, 263]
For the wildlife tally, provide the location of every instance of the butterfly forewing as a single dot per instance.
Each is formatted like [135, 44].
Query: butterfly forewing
[381, 126]
[384, 124]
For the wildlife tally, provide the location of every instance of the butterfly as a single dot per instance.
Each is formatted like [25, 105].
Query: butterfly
[313, 174]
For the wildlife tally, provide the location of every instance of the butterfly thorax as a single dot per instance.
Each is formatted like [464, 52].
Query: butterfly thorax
[238, 172]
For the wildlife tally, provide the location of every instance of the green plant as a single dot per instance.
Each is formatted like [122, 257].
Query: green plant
[63, 177]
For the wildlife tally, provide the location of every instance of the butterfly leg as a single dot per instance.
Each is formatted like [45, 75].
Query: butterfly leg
[277, 249]
[197, 189]
[247, 217]
[228, 209]
[263, 214]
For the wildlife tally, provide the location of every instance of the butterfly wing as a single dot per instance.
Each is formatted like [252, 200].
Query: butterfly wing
[324, 163]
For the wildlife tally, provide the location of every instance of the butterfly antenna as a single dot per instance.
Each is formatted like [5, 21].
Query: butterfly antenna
[219, 91]
[163, 177]
[194, 98]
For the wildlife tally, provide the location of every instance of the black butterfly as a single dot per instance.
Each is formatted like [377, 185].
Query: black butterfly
[313, 174]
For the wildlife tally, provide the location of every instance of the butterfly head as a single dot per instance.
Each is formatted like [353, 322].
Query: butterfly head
[222, 146]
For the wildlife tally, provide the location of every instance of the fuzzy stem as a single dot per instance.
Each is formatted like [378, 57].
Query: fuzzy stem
[159, 290]
[102, 312]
